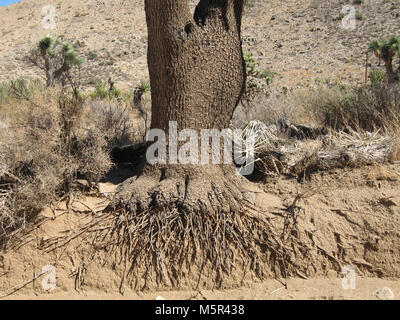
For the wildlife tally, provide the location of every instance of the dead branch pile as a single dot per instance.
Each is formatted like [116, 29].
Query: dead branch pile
[279, 151]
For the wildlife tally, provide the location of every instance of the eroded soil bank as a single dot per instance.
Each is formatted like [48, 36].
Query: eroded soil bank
[344, 217]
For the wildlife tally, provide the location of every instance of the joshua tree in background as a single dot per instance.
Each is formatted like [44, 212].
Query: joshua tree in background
[387, 51]
[56, 59]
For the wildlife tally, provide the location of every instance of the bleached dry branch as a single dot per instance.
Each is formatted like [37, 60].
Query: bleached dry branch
[277, 153]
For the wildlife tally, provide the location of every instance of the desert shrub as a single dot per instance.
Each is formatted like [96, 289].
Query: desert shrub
[92, 55]
[92, 155]
[269, 108]
[4, 93]
[339, 107]
[377, 76]
[252, 68]
[113, 119]
[45, 144]
[26, 89]
[140, 102]
[368, 108]
[101, 92]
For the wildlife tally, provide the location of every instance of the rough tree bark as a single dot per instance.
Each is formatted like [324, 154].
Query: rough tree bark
[196, 67]
[197, 76]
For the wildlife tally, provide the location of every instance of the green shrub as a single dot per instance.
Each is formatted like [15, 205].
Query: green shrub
[92, 55]
[252, 68]
[377, 76]
[101, 92]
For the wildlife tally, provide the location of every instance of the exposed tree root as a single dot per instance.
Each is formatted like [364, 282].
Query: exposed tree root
[191, 232]
[174, 248]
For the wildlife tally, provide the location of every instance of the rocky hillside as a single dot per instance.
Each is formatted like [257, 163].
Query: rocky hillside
[302, 41]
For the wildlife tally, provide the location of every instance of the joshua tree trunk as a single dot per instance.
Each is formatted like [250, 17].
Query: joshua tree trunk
[196, 67]
[48, 69]
[197, 76]
[390, 73]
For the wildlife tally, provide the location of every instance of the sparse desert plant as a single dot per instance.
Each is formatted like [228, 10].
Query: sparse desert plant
[27, 89]
[101, 92]
[92, 55]
[4, 93]
[268, 108]
[113, 119]
[252, 68]
[56, 59]
[140, 105]
[377, 76]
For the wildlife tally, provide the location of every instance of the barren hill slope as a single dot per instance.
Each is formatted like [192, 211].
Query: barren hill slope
[300, 40]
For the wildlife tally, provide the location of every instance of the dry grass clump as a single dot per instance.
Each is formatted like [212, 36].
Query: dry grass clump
[368, 108]
[30, 89]
[267, 108]
[353, 125]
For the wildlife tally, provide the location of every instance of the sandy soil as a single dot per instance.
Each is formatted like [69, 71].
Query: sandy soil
[297, 289]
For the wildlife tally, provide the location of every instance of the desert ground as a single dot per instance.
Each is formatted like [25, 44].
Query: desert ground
[347, 216]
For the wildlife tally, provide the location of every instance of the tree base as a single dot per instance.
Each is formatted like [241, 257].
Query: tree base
[191, 227]
[189, 188]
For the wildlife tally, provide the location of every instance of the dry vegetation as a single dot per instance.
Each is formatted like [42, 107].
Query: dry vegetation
[50, 138]
[331, 126]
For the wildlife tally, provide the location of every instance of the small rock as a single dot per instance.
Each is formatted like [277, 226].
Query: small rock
[160, 298]
[384, 294]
